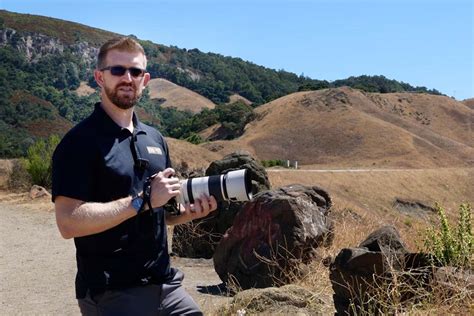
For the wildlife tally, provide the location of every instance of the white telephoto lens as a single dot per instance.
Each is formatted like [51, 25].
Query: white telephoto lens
[200, 187]
[237, 187]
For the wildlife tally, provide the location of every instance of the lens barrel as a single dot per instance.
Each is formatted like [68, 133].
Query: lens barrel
[234, 185]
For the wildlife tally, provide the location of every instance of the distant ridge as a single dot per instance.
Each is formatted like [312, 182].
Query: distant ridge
[68, 32]
[347, 127]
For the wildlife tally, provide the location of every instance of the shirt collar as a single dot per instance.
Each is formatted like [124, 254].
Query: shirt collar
[110, 127]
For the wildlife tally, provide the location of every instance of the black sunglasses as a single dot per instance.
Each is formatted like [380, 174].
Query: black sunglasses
[121, 70]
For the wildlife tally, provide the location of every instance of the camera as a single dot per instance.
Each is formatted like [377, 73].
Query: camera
[233, 185]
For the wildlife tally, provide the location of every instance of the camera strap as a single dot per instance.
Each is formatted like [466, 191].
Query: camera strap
[170, 207]
[147, 194]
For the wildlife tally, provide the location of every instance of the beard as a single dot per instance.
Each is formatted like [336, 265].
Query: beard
[124, 101]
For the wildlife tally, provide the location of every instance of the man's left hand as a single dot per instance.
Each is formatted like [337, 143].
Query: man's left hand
[201, 207]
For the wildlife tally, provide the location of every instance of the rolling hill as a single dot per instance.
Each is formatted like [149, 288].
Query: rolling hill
[176, 96]
[347, 127]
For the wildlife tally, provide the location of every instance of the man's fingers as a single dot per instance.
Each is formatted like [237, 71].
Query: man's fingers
[168, 172]
[174, 186]
[197, 206]
[212, 203]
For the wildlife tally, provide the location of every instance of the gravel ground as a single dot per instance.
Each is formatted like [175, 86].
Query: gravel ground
[37, 266]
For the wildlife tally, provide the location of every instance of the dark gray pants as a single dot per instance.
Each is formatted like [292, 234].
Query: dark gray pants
[167, 299]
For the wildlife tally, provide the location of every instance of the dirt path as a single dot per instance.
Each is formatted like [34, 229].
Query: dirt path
[37, 266]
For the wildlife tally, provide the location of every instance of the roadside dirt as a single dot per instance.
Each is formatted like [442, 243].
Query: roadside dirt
[37, 266]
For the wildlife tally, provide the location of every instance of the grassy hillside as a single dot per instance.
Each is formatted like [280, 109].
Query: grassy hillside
[346, 127]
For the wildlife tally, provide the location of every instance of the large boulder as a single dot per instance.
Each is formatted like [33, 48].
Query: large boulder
[362, 278]
[199, 238]
[275, 233]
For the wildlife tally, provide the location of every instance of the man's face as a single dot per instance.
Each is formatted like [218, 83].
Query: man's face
[123, 87]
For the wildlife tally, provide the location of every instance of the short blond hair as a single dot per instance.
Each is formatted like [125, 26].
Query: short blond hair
[126, 44]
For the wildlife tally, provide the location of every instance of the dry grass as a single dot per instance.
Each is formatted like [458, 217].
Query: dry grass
[179, 97]
[189, 155]
[237, 97]
[363, 202]
[346, 127]
[84, 89]
[369, 196]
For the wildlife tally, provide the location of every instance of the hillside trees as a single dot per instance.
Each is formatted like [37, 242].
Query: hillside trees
[217, 77]
[380, 84]
[29, 91]
[184, 124]
[53, 76]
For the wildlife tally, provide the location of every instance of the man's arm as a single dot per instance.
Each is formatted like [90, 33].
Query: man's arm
[76, 218]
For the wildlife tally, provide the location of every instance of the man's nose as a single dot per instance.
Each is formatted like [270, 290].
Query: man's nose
[127, 76]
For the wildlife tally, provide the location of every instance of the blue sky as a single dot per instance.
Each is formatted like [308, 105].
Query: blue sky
[421, 42]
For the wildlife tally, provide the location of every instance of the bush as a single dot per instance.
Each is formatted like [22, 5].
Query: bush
[452, 246]
[273, 163]
[38, 160]
[194, 138]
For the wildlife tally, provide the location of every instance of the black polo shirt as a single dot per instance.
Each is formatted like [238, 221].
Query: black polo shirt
[98, 161]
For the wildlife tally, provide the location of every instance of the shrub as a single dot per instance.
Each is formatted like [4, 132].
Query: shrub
[38, 160]
[195, 139]
[273, 163]
[452, 245]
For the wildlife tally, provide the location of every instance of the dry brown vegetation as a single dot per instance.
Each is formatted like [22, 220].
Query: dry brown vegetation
[84, 89]
[237, 97]
[363, 202]
[193, 156]
[469, 103]
[348, 128]
[179, 97]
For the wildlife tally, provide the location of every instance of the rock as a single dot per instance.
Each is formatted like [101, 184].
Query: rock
[288, 299]
[277, 231]
[241, 160]
[361, 277]
[386, 240]
[200, 238]
[413, 207]
[37, 191]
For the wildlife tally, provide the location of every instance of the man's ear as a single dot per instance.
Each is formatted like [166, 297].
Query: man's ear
[146, 79]
[99, 77]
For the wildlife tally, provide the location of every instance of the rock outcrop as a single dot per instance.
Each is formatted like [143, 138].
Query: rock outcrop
[36, 46]
[273, 235]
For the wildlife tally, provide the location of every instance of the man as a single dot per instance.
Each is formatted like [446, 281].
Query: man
[103, 199]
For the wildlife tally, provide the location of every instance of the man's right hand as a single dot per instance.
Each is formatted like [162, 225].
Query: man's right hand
[164, 187]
